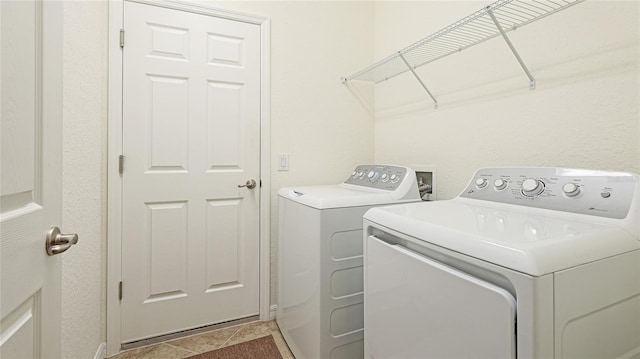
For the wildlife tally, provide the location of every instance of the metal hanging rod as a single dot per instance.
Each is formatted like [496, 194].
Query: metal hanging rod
[419, 80]
[532, 81]
[496, 19]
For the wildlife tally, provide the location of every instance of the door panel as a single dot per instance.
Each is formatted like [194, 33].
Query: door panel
[21, 105]
[191, 135]
[168, 136]
[167, 243]
[223, 134]
[19, 331]
[223, 246]
[30, 177]
[416, 307]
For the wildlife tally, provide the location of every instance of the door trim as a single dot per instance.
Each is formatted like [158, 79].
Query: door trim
[114, 197]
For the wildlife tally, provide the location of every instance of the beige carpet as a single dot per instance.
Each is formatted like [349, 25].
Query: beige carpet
[261, 348]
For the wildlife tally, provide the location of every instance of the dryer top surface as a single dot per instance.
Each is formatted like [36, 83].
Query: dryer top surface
[529, 240]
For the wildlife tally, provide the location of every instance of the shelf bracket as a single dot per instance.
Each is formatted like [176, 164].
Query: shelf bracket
[435, 105]
[532, 81]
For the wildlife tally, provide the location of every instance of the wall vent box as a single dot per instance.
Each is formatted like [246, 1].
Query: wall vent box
[426, 176]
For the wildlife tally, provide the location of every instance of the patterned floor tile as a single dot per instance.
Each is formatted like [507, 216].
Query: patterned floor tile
[204, 342]
[154, 352]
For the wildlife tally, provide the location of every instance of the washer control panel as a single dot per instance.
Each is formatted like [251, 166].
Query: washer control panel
[378, 176]
[598, 193]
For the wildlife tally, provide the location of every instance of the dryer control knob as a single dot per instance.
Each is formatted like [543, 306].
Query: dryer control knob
[500, 184]
[481, 183]
[395, 178]
[571, 189]
[532, 187]
[384, 177]
[373, 176]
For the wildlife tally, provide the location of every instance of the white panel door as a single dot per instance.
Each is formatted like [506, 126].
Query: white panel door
[191, 136]
[30, 177]
[416, 307]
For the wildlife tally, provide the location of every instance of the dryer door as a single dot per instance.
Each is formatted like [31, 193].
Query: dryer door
[416, 307]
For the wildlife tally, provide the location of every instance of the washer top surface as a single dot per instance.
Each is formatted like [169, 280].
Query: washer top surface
[368, 185]
[530, 237]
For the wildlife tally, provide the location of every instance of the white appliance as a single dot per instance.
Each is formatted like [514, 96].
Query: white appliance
[526, 263]
[320, 311]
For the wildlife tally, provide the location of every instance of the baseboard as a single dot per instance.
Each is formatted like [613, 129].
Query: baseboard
[272, 311]
[101, 353]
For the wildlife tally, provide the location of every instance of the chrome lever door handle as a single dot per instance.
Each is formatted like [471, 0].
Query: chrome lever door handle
[57, 242]
[251, 184]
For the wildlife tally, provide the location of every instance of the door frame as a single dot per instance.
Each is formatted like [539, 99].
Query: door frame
[114, 197]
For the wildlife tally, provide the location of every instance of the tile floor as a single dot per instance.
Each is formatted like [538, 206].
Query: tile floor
[204, 342]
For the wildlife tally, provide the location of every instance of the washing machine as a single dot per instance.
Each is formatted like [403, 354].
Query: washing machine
[320, 310]
[524, 263]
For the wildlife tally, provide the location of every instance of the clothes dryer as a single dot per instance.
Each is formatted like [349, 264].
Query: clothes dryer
[526, 263]
[320, 310]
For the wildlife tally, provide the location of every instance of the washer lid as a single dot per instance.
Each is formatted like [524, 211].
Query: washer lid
[339, 196]
[531, 241]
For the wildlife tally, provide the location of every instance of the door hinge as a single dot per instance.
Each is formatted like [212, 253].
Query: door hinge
[260, 183]
[121, 164]
[122, 38]
[120, 291]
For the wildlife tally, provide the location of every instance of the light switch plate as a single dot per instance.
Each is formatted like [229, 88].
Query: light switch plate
[283, 161]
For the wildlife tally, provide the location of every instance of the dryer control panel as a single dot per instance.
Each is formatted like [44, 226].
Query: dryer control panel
[598, 193]
[379, 176]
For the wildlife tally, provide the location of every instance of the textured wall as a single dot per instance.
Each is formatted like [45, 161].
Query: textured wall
[583, 114]
[84, 177]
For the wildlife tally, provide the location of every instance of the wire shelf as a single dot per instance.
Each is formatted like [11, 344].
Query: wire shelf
[469, 31]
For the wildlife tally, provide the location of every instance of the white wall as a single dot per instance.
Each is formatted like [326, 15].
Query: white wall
[84, 177]
[314, 118]
[583, 114]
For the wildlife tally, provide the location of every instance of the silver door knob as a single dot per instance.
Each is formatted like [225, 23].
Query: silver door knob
[251, 184]
[58, 242]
